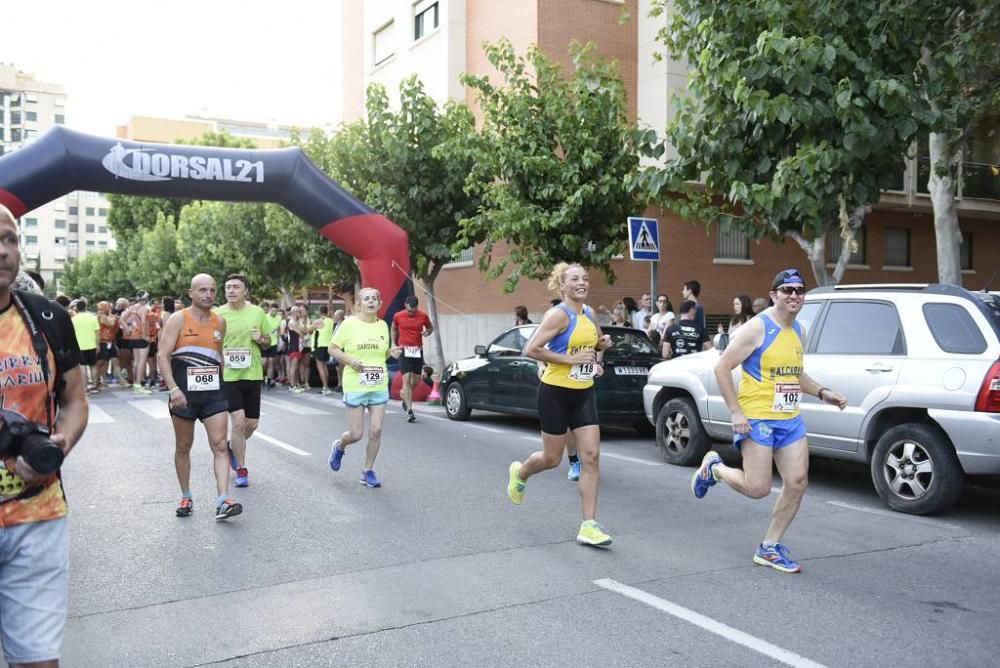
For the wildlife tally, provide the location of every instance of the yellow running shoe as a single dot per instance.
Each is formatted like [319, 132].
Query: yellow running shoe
[515, 487]
[592, 533]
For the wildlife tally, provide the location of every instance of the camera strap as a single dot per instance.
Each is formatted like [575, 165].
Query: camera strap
[42, 350]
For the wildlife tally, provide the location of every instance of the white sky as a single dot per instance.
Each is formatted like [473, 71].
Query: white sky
[254, 60]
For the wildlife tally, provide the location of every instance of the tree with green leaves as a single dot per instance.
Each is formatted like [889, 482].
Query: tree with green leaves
[958, 78]
[99, 276]
[555, 163]
[792, 125]
[275, 250]
[403, 163]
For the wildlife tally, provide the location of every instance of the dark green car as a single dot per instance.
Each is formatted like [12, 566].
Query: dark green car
[500, 378]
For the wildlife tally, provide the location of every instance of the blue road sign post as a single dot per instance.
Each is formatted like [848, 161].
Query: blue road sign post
[644, 245]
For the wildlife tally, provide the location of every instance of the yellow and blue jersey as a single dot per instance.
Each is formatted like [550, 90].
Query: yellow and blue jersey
[581, 334]
[769, 389]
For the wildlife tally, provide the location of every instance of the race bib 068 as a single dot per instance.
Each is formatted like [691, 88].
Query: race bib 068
[202, 378]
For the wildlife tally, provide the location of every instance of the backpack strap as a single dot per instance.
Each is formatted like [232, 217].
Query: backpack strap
[53, 321]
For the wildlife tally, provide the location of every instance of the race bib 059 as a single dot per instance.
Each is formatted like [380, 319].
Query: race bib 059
[237, 358]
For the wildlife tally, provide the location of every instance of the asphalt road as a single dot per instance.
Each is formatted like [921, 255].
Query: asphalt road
[437, 568]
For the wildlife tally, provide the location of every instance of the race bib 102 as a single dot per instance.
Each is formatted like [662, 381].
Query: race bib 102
[786, 397]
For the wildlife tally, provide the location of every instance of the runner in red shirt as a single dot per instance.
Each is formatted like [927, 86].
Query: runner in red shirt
[409, 326]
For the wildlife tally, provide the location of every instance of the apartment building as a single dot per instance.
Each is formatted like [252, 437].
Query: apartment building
[162, 130]
[69, 227]
[439, 39]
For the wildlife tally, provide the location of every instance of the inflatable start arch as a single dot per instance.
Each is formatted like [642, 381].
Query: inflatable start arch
[62, 161]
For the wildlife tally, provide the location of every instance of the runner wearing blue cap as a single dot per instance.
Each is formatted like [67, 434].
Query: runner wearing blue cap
[767, 426]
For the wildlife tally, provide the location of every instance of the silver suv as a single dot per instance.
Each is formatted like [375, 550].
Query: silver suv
[919, 365]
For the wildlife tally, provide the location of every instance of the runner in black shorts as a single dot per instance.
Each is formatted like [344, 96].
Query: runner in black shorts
[570, 343]
[191, 360]
[242, 373]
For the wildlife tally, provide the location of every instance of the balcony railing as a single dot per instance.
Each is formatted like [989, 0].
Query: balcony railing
[975, 179]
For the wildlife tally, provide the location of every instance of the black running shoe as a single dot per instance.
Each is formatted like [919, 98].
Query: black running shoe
[186, 507]
[227, 509]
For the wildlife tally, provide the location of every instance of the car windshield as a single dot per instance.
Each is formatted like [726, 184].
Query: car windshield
[991, 302]
[631, 344]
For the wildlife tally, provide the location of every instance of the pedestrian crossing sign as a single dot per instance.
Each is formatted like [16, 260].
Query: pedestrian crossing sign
[644, 239]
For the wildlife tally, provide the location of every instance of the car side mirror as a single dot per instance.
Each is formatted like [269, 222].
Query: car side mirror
[479, 350]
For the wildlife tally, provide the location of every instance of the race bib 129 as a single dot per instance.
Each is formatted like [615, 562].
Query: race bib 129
[371, 376]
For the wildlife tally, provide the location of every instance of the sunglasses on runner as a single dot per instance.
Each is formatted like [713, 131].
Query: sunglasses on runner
[792, 289]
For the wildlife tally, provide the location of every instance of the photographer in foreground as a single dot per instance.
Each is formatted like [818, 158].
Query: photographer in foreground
[43, 412]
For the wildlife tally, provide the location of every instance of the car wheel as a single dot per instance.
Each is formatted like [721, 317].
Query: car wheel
[456, 406]
[679, 433]
[915, 469]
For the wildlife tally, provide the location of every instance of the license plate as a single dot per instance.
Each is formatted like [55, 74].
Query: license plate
[631, 371]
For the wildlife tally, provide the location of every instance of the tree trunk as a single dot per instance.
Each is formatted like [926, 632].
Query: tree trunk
[854, 222]
[432, 312]
[943, 190]
[287, 299]
[815, 251]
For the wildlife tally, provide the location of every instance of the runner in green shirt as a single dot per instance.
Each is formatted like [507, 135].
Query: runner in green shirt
[270, 354]
[361, 345]
[324, 334]
[242, 372]
[87, 327]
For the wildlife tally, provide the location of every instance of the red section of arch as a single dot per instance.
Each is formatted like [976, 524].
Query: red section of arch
[13, 202]
[382, 249]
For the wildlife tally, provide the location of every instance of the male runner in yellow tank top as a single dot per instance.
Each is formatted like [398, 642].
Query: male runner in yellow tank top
[767, 426]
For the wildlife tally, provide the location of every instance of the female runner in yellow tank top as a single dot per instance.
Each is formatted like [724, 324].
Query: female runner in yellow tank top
[570, 343]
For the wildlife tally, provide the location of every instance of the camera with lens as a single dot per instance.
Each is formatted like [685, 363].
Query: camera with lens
[31, 441]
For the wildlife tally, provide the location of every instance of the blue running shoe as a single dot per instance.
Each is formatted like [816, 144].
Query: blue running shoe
[336, 455]
[776, 557]
[368, 478]
[574, 471]
[233, 464]
[704, 477]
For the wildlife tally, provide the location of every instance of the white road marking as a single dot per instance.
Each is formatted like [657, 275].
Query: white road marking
[281, 444]
[634, 460]
[894, 515]
[534, 439]
[485, 428]
[423, 415]
[155, 409]
[297, 409]
[98, 415]
[710, 625]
